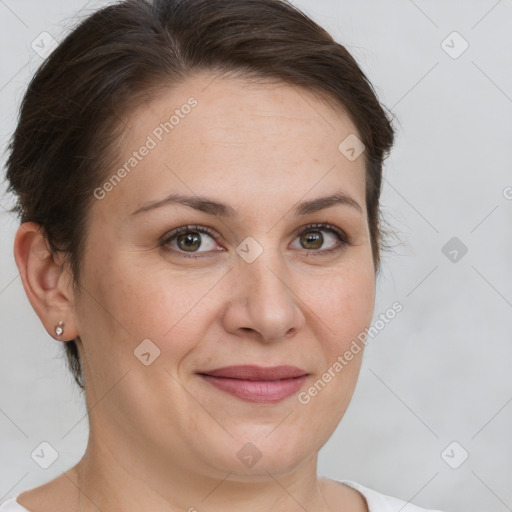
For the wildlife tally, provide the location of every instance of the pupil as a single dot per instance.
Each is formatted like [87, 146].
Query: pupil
[190, 240]
[316, 239]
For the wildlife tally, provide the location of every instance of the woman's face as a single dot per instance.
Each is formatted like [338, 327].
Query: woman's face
[257, 287]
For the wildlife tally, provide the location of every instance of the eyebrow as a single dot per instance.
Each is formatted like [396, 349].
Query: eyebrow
[212, 207]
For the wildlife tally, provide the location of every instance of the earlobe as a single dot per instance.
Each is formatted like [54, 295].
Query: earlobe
[59, 330]
[46, 281]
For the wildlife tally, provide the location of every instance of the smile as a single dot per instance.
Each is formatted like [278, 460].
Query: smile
[257, 384]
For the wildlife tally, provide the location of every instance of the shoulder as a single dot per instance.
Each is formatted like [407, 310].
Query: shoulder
[56, 494]
[378, 502]
[11, 505]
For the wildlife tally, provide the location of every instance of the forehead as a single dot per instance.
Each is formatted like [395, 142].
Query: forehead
[218, 134]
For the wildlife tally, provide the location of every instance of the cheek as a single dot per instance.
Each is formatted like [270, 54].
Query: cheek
[344, 301]
[356, 301]
[123, 306]
[134, 302]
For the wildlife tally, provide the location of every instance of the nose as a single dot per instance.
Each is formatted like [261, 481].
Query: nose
[264, 303]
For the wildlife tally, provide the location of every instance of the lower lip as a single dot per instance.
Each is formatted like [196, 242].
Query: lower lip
[262, 391]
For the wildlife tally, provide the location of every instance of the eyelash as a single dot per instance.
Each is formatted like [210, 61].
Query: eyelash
[342, 237]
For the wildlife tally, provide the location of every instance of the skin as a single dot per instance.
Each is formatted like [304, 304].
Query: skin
[161, 438]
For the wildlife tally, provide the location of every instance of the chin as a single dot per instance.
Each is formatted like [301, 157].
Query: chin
[256, 451]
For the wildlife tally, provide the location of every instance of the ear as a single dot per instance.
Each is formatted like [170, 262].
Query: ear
[47, 282]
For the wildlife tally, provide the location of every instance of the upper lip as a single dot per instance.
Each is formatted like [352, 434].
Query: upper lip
[252, 372]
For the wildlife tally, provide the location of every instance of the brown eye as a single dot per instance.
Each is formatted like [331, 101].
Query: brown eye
[321, 238]
[190, 241]
[312, 240]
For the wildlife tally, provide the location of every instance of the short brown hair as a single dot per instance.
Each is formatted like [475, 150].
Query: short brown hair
[68, 127]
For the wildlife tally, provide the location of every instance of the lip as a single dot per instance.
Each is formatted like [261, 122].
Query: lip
[257, 383]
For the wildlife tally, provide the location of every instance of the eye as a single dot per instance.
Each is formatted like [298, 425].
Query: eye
[188, 239]
[312, 238]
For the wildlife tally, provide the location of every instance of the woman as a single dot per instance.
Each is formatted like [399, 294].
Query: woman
[198, 184]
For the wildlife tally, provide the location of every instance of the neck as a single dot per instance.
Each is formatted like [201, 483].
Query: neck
[111, 476]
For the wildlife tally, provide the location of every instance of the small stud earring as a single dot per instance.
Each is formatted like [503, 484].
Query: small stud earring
[59, 329]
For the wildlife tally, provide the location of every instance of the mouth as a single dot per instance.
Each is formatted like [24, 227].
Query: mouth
[257, 383]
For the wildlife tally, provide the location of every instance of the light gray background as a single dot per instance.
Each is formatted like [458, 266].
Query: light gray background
[440, 371]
